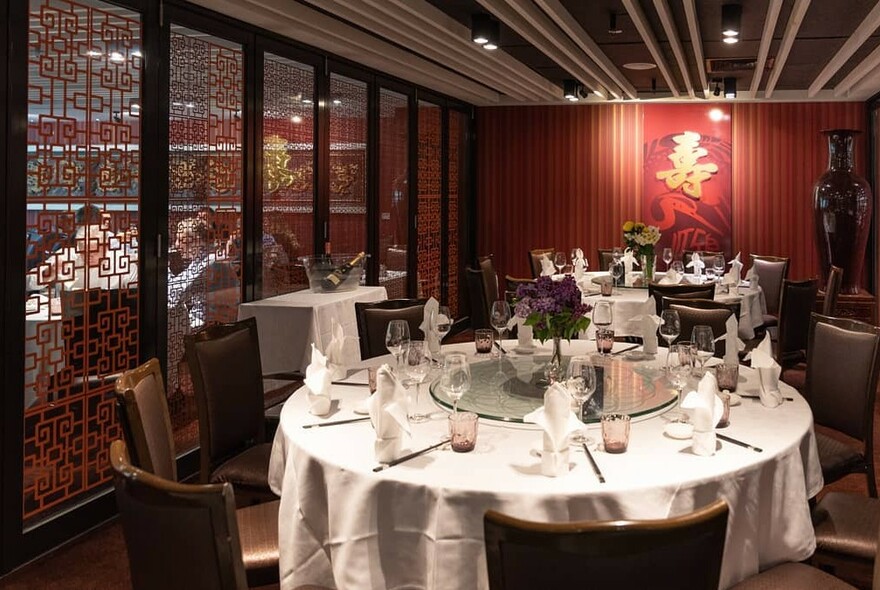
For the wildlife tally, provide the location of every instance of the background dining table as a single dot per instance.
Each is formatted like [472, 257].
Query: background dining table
[420, 524]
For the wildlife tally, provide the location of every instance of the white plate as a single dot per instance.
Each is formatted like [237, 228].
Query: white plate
[524, 349]
[679, 430]
[361, 407]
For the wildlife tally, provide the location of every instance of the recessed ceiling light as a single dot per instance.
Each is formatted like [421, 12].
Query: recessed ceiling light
[731, 40]
[640, 65]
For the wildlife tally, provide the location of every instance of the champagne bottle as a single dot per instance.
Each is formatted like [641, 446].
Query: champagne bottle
[338, 275]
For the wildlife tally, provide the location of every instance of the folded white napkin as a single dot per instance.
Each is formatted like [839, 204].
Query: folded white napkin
[580, 263]
[732, 342]
[318, 378]
[696, 263]
[558, 422]
[752, 277]
[429, 327]
[628, 260]
[707, 409]
[734, 275]
[547, 268]
[388, 415]
[769, 371]
[672, 277]
[335, 351]
[524, 333]
[649, 321]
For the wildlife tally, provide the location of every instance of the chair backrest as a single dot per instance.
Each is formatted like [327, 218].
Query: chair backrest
[373, 318]
[798, 301]
[535, 260]
[146, 423]
[659, 291]
[772, 270]
[479, 305]
[178, 536]
[832, 290]
[227, 376]
[843, 360]
[511, 285]
[490, 277]
[705, 313]
[605, 258]
[606, 554]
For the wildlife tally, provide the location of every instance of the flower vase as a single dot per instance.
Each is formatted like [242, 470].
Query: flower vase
[553, 370]
[649, 262]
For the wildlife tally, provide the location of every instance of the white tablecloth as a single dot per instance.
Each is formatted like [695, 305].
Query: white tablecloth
[420, 524]
[629, 303]
[288, 324]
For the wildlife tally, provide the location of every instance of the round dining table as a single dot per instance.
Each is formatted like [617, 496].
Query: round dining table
[419, 524]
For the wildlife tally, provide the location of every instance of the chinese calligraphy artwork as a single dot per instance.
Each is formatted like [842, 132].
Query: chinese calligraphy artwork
[687, 180]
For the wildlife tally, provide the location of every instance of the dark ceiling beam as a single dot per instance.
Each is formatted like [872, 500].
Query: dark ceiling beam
[668, 23]
[798, 11]
[862, 33]
[764, 49]
[573, 29]
[690, 11]
[638, 17]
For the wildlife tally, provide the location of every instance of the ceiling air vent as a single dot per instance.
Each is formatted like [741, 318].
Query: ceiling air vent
[732, 65]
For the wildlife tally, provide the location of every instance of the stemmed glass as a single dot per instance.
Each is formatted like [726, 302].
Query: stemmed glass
[603, 317]
[456, 377]
[718, 263]
[679, 365]
[616, 270]
[704, 343]
[499, 317]
[443, 322]
[560, 261]
[678, 266]
[670, 325]
[667, 257]
[616, 254]
[581, 384]
[397, 339]
[418, 365]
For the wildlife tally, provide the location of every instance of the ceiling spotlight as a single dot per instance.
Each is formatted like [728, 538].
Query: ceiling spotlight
[571, 90]
[730, 87]
[731, 15]
[485, 31]
[612, 25]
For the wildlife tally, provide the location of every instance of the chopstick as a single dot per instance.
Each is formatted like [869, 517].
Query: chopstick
[349, 383]
[499, 347]
[335, 422]
[749, 396]
[413, 455]
[596, 469]
[739, 442]
[628, 348]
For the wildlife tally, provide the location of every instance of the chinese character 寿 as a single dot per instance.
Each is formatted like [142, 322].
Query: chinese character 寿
[686, 173]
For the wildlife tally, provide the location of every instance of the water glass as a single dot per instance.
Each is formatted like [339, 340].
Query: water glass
[483, 339]
[727, 376]
[704, 343]
[463, 431]
[604, 340]
[607, 288]
[418, 365]
[667, 256]
[718, 264]
[500, 316]
[397, 339]
[670, 325]
[581, 384]
[615, 432]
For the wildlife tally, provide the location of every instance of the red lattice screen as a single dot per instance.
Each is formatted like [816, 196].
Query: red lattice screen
[83, 195]
[429, 200]
[457, 135]
[393, 194]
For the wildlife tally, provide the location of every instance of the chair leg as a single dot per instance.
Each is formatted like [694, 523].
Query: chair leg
[872, 478]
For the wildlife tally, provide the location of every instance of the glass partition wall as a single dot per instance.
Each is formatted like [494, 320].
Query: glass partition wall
[170, 165]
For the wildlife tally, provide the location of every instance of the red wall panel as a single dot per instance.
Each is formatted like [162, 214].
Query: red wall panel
[567, 176]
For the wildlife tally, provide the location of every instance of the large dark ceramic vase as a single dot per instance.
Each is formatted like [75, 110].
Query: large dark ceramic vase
[842, 207]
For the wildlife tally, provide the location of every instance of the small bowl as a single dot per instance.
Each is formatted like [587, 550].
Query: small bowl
[679, 430]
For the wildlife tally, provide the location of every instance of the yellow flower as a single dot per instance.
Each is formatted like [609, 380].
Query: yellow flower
[628, 226]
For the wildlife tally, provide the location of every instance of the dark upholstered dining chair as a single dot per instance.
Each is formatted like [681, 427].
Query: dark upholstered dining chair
[795, 307]
[535, 256]
[659, 291]
[846, 526]
[843, 362]
[373, 318]
[605, 258]
[832, 290]
[772, 271]
[182, 536]
[702, 312]
[607, 554]
[511, 284]
[490, 278]
[224, 362]
[480, 306]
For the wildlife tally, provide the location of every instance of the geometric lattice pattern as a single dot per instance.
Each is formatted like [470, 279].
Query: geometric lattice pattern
[348, 164]
[393, 193]
[288, 173]
[456, 152]
[205, 202]
[83, 193]
[430, 213]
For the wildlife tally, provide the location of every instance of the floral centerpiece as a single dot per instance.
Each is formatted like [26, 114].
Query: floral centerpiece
[641, 238]
[553, 309]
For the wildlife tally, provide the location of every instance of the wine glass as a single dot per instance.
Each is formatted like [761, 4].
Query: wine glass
[679, 365]
[616, 253]
[456, 377]
[499, 317]
[616, 270]
[718, 262]
[670, 325]
[560, 261]
[704, 343]
[418, 365]
[667, 256]
[678, 266]
[710, 272]
[603, 316]
[397, 339]
[581, 384]
[443, 321]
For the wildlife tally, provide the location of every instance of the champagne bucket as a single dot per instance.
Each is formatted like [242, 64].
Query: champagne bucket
[320, 268]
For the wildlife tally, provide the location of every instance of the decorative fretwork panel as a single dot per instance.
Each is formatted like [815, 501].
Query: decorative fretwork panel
[205, 200]
[393, 191]
[456, 154]
[288, 173]
[430, 213]
[348, 164]
[83, 196]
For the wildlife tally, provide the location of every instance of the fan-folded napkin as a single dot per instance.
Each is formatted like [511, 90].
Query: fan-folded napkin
[388, 415]
[707, 409]
[696, 263]
[524, 333]
[734, 275]
[558, 422]
[769, 371]
[732, 343]
[672, 277]
[318, 378]
[547, 268]
[752, 277]
[628, 260]
[648, 324]
[580, 263]
[335, 351]
[429, 326]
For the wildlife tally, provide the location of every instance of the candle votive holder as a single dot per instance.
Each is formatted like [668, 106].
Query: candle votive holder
[463, 431]
[727, 376]
[615, 432]
[483, 339]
